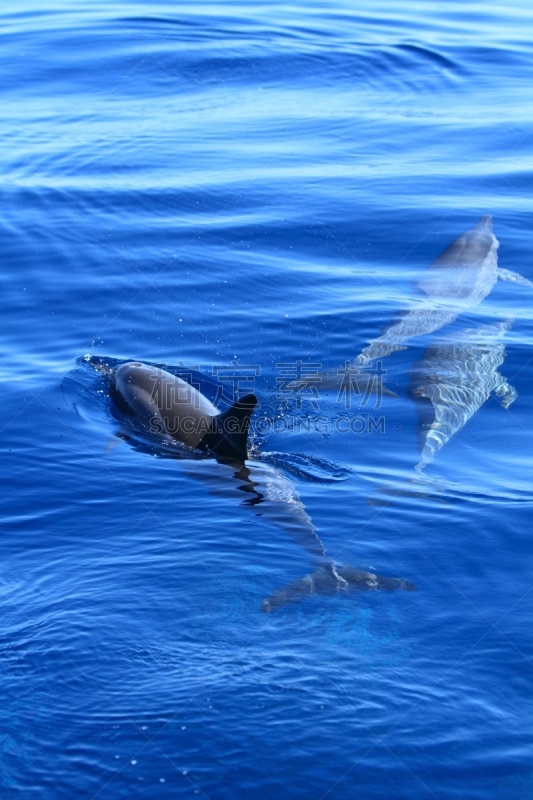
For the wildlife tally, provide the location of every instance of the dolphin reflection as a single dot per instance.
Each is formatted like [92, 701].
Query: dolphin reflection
[455, 376]
[459, 279]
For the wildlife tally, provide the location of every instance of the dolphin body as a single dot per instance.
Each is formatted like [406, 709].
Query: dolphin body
[454, 378]
[170, 406]
[459, 279]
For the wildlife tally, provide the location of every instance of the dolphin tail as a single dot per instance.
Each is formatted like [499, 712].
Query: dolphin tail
[228, 434]
[329, 579]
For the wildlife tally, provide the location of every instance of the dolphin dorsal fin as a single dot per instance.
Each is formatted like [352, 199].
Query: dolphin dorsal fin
[228, 434]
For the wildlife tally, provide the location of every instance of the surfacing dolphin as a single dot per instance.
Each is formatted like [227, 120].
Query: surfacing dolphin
[170, 406]
[455, 377]
[459, 279]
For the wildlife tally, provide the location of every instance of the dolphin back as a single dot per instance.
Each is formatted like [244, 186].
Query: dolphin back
[466, 270]
[471, 248]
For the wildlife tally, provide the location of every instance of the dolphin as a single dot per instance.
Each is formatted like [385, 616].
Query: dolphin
[168, 405]
[459, 279]
[454, 378]
[171, 408]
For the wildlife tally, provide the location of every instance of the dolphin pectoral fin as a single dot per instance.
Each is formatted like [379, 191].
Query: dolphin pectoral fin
[228, 434]
[113, 442]
[506, 393]
[513, 277]
[328, 580]
[379, 348]
[372, 383]
[345, 380]
[390, 393]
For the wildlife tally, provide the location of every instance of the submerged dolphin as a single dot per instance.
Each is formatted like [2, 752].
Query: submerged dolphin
[455, 376]
[170, 406]
[457, 280]
[281, 504]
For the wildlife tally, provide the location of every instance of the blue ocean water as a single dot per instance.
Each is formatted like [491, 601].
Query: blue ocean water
[233, 187]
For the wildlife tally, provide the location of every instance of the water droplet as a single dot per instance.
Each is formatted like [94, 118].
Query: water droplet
[133, 761]
[161, 780]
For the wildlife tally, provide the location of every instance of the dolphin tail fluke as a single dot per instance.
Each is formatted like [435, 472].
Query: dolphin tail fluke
[228, 435]
[328, 580]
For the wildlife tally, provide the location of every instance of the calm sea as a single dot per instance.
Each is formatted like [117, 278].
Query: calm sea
[248, 191]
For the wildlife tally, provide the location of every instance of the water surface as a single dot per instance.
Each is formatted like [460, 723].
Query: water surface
[260, 184]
